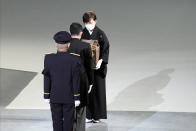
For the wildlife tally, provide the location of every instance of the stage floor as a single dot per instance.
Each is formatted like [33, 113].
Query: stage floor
[40, 120]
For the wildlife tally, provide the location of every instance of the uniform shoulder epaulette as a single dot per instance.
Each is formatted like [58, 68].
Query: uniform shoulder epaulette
[49, 53]
[75, 54]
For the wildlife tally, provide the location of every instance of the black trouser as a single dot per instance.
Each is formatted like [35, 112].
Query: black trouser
[79, 124]
[62, 116]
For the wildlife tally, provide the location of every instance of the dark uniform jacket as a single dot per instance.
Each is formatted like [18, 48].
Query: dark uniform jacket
[86, 75]
[61, 77]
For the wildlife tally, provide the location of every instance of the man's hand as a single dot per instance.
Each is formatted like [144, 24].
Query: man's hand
[99, 64]
[90, 88]
[77, 103]
[47, 100]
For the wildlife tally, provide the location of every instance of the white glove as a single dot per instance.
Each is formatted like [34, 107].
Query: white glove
[90, 88]
[99, 64]
[47, 100]
[77, 103]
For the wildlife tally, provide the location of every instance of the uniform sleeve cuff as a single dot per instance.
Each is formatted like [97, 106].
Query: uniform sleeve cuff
[77, 96]
[46, 95]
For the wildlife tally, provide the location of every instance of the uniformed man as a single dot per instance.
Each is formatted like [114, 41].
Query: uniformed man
[86, 76]
[61, 83]
[97, 106]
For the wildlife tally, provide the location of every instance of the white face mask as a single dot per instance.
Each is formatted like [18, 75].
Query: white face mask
[90, 27]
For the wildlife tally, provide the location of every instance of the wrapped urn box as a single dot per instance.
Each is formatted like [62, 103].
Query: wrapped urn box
[95, 48]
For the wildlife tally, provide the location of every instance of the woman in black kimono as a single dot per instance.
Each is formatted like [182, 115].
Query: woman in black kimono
[97, 108]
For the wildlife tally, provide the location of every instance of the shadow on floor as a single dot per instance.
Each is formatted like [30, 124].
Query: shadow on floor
[143, 94]
[12, 82]
[99, 126]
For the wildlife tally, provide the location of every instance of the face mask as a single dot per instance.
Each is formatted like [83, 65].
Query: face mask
[90, 26]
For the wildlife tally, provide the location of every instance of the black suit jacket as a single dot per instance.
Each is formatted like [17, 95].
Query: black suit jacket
[86, 76]
[61, 77]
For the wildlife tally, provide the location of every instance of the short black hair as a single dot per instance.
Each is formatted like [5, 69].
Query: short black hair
[75, 28]
[88, 15]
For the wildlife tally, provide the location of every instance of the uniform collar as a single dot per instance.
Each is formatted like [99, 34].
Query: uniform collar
[61, 52]
[74, 38]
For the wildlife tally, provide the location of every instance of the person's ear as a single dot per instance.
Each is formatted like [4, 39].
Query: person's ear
[55, 44]
[80, 35]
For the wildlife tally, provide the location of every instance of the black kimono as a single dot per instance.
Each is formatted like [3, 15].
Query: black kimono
[97, 108]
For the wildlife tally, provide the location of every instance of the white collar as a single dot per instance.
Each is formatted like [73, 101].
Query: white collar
[90, 32]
